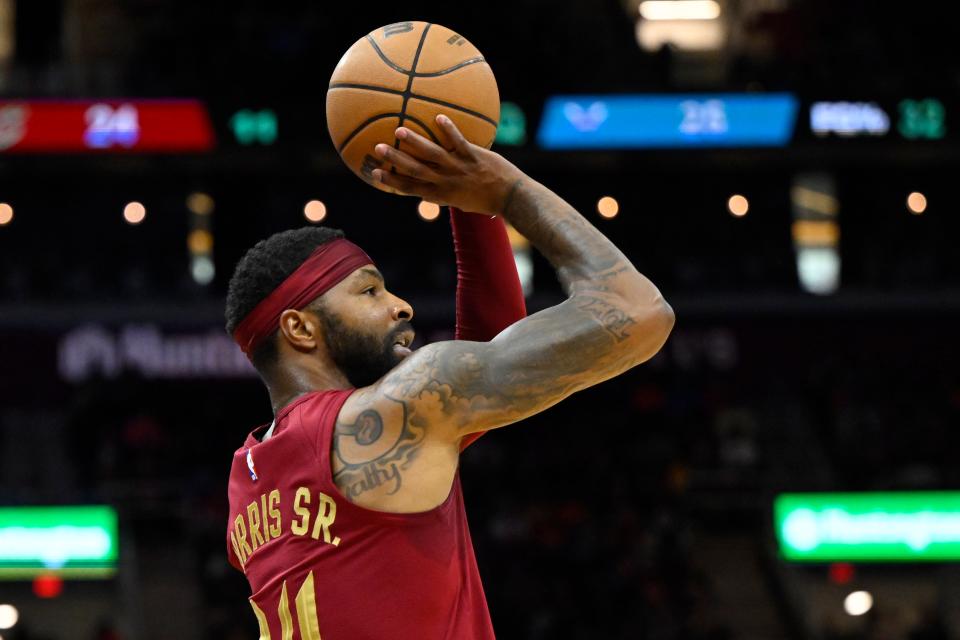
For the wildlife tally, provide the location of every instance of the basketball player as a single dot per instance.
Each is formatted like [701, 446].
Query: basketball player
[346, 513]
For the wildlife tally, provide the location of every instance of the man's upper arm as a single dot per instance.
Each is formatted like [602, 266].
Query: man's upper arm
[459, 387]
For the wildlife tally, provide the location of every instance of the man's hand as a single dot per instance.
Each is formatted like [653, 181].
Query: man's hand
[468, 176]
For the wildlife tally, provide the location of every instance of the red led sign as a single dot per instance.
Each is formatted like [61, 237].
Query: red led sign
[83, 126]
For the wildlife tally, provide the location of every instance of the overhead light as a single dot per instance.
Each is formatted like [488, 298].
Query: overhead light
[202, 270]
[8, 616]
[608, 207]
[823, 233]
[428, 210]
[679, 9]
[738, 205]
[48, 585]
[315, 211]
[200, 241]
[684, 35]
[814, 200]
[916, 203]
[134, 213]
[818, 269]
[6, 213]
[200, 203]
[858, 603]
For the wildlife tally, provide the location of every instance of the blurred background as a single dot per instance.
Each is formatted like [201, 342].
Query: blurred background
[784, 170]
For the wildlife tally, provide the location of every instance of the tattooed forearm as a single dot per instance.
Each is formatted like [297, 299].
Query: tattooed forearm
[614, 320]
[574, 247]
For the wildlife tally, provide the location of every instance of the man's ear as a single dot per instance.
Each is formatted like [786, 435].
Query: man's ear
[300, 329]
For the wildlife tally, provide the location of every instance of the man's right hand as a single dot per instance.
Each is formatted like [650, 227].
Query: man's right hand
[466, 176]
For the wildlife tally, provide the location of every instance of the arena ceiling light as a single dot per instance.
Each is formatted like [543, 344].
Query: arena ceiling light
[429, 211]
[8, 616]
[738, 205]
[608, 207]
[679, 10]
[858, 603]
[916, 203]
[134, 213]
[315, 211]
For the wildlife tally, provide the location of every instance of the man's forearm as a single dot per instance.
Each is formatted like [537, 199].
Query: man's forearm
[577, 250]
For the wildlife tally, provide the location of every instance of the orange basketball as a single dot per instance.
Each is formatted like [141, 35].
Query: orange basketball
[405, 74]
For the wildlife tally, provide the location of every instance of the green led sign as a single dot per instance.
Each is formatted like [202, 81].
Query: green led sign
[254, 127]
[877, 527]
[922, 119]
[512, 130]
[79, 542]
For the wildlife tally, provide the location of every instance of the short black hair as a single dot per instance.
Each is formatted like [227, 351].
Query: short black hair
[261, 270]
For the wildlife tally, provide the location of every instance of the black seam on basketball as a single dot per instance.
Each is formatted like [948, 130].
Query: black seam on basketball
[475, 114]
[425, 128]
[353, 134]
[443, 72]
[390, 63]
[414, 96]
[369, 87]
[413, 71]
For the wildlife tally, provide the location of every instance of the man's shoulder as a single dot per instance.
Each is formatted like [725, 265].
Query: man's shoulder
[313, 406]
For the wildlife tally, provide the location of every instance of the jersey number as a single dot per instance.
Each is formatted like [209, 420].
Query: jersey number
[306, 603]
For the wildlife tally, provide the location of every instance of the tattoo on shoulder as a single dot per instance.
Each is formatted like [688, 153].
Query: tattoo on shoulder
[374, 450]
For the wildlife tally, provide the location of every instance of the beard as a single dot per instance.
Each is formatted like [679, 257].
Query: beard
[363, 357]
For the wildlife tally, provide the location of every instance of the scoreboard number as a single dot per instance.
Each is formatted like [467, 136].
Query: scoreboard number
[107, 126]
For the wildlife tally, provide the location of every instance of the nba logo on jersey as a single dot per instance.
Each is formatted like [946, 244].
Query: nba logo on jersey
[253, 472]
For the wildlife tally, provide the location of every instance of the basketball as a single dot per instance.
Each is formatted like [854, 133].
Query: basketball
[404, 74]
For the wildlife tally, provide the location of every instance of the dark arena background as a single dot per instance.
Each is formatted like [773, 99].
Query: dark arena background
[784, 170]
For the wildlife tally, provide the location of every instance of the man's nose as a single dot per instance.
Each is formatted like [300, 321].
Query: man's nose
[402, 310]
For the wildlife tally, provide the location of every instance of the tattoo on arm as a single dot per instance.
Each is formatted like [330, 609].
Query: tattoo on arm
[614, 320]
[374, 452]
[600, 331]
[536, 363]
[575, 248]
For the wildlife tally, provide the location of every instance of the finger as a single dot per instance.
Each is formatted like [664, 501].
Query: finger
[420, 147]
[454, 138]
[405, 163]
[404, 184]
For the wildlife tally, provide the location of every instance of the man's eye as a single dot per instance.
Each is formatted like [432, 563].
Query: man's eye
[370, 291]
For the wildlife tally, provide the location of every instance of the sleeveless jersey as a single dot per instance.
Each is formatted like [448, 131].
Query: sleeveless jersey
[320, 566]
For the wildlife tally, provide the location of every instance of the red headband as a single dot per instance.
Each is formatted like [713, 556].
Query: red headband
[323, 270]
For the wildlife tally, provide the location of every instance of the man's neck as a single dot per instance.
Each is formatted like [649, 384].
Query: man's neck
[290, 385]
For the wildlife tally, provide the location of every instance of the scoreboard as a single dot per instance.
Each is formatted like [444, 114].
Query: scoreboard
[675, 121]
[83, 126]
[568, 122]
[667, 121]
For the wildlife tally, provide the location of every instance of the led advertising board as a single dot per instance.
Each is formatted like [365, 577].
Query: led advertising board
[74, 541]
[668, 121]
[870, 526]
[104, 126]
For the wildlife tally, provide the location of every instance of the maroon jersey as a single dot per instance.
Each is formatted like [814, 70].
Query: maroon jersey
[320, 566]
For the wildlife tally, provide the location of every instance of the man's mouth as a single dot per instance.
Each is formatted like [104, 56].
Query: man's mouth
[401, 345]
